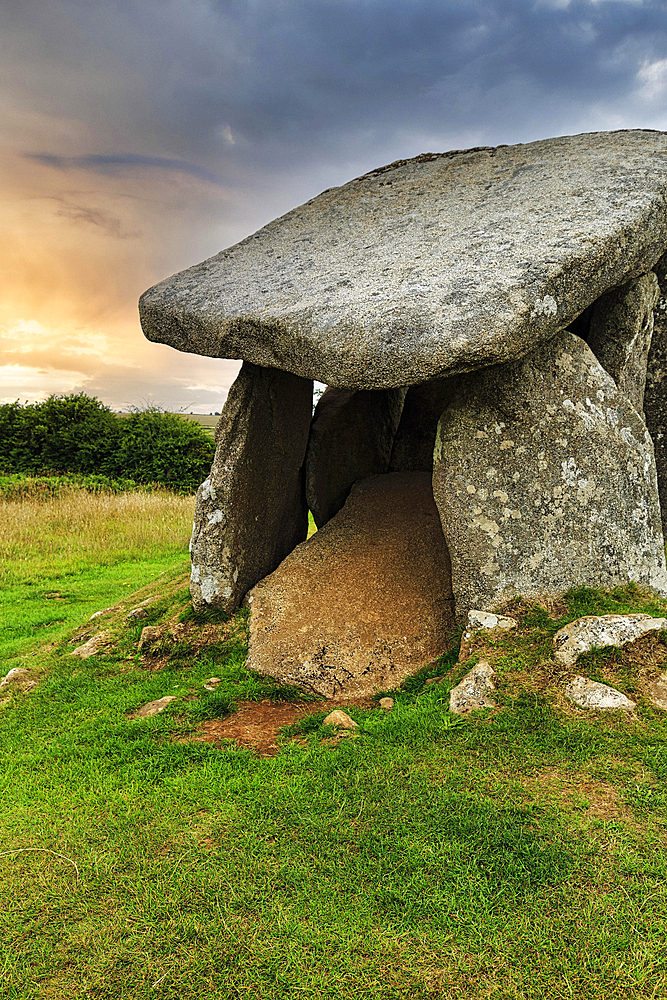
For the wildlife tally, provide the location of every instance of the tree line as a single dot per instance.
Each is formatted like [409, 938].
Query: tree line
[77, 433]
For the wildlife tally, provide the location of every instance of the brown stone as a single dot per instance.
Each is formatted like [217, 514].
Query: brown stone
[415, 438]
[364, 602]
[251, 511]
[351, 438]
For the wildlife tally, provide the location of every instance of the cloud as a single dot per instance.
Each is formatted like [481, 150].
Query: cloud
[117, 163]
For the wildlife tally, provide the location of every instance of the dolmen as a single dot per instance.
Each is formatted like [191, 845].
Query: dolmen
[491, 326]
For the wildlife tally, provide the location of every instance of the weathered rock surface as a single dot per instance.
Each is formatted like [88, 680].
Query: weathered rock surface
[436, 265]
[351, 438]
[365, 601]
[153, 707]
[595, 631]
[386, 704]
[592, 694]
[341, 720]
[655, 395]
[94, 645]
[251, 511]
[150, 634]
[472, 693]
[105, 611]
[482, 621]
[17, 675]
[657, 692]
[620, 334]
[544, 479]
[415, 437]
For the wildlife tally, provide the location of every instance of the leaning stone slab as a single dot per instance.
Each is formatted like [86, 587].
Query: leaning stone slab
[426, 267]
[594, 631]
[351, 438]
[472, 693]
[592, 694]
[544, 480]
[251, 511]
[620, 334]
[365, 601]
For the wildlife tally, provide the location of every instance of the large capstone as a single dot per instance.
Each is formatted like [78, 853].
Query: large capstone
[544, 479]
[251, 511]
[620, 334]
[365, 601]
[351, 438]
[437, 265]
[655, 396]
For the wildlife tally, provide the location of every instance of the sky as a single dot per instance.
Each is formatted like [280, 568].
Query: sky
[138, 137]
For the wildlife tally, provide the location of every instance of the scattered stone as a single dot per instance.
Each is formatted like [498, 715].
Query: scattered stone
[429, 266]
[212, 683]
[544, 480]
[341, 720]
[479, 621]
[351, 438]
[620, 334]
[365, 602]
[657, 692]
[655, 395]
[15, 676]
[251, 511]
[594, 631]
[412, 450]
[106, 611]
[150, 634]
[386, 703]
[435, 680]
[153, 707]
[472, 693]
[94, 645]
[137, 614]
[592, 694]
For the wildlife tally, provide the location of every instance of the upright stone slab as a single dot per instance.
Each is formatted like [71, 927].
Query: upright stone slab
[620, 334]
[351, 438]
[251, 511]
[655, 396]
[415, 438]
[544, 479]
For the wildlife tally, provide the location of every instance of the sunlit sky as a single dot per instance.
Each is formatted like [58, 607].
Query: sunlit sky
[141, 136]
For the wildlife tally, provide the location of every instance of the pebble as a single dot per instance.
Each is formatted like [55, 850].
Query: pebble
[386, 703]
[340, 719]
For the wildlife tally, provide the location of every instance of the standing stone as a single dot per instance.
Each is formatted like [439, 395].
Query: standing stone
[350, 438]
[365, 601]
[251, 511]
[620, 334]
[544, 479]
[655, 397]
[415, 437]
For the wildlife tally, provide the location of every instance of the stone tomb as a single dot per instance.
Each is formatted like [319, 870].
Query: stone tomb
[491, 318]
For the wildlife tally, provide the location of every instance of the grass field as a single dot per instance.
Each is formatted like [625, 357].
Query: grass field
[518, 854]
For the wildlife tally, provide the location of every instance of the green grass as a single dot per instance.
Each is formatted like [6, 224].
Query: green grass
[517, 854]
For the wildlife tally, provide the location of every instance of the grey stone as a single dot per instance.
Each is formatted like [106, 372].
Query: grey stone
[415, 438]
[14, 676]
[104, 612]
[472, 693]
[251, 511]
[153, 707]
[341, 720]
[620, 334]
[655, 396]
[544, 480]
[351, 438]
[592, 694]
[150, 634]
[594, 631]
[365, 602]
[137, 614]
[386, 704]
[482, 621]
[432, 266]
[94, 645]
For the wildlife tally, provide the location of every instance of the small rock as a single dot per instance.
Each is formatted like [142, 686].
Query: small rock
[434, 680]
[592, 694]
[211, 684]
[153, 707]
[657, 691]
[479, 621]
[14, 676]
[106, 611]
[602, 630]
[137, 613]
[93, 646]
[472, 692]
[341, 720]
[150, 634]
[386, 703]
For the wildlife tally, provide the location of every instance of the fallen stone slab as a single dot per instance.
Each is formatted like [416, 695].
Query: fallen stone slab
[592, 694]
[153, 707]
[436, 265]
[365, 601]
[341, 720]
[251, 510]
[544, 479]
[94, 645]
[472, 693]
[594, 631]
